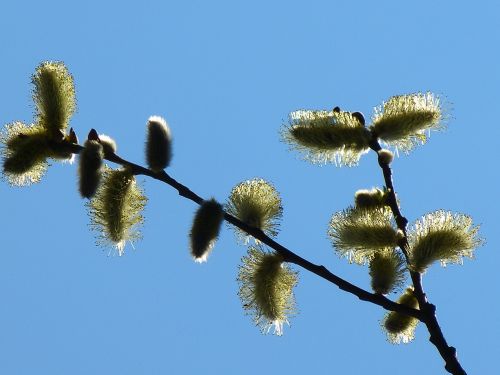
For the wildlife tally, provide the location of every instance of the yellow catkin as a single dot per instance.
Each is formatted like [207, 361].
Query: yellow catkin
[400, 328]
[116, 209]
[327, 136]
[266, 289]
[257, 203]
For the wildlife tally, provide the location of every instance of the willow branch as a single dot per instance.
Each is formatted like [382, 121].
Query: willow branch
[288, 255]
[448, 353]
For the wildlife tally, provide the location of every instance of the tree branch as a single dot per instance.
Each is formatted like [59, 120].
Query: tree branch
[448, 353]
[287, 254]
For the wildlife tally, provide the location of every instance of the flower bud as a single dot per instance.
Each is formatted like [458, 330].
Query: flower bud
[370, 198]
[359, 116]
[90, 168]
[72, 137]
[158, 144]
[108, 144]
[385, 156]
[205, 229]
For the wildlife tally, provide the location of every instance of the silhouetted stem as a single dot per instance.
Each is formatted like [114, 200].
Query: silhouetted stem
[288, 255]
[448, 353]
[427, 311]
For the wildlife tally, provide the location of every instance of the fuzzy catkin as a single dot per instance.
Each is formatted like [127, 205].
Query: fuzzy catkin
[116, 209]
[266, 289]
[24, 154]
[108, 144]
[357, 233]
[257, 203]
[442, 236]
[158, 144]
[54, 95]
[327, 136]
[387, 271]
[403, 120]
[400, 328]
[90, 168]
[205, 229]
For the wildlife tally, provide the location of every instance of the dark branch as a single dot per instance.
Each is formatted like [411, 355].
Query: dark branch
[287, 254]
[426, 314]
[448, 353]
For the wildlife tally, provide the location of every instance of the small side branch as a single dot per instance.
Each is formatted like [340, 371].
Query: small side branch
[448, 353]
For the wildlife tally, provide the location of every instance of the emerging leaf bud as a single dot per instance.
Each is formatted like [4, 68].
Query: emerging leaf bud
[205, 229]
[158, 144]
[266, 289]
[337, 137]
[358, 233]
[116, 209]
[387, 271]
[54, 96]
[256, 203]
[90, 168]
[93, 136]
[71, 137]
[403, 120]
[370, 198]
[25, 151]
[385, 156]
[442, 236]
[400, 328]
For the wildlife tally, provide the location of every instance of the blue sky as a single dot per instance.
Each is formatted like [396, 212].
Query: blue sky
[225, 75]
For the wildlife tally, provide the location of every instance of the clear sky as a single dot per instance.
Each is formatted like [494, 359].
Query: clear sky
[225, 75]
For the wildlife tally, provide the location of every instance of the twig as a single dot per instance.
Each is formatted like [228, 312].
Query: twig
[448, 353]
[287, 254]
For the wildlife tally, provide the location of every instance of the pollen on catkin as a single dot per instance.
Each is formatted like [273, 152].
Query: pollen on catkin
[54, 95]
[266, 289]
[158, 144]
[358, 233]
[116, 209]
[387, 271]
[205, 229]
[400, 328]
[404, 120]
[327, 136]
[442, 236]
[24, 151]
[257, 203]
[90, 168]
